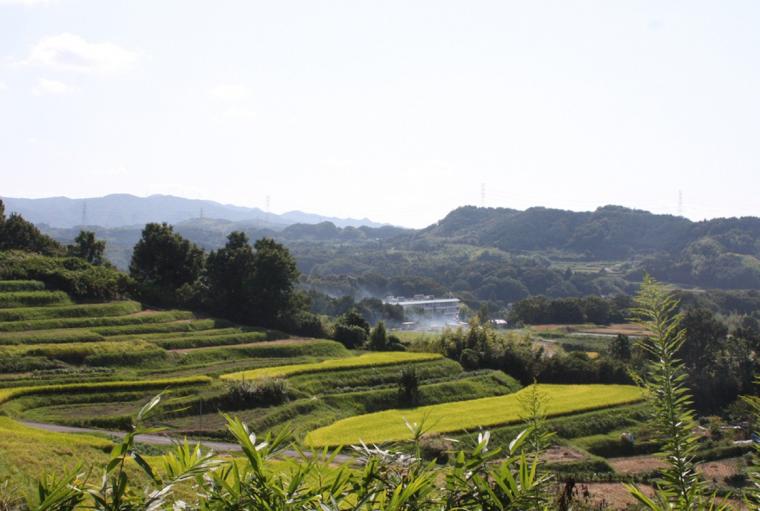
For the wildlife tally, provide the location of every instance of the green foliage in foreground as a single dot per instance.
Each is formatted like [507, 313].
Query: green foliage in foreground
[680, 487]
[112, 386]
[366, 360]
[71, 311]
[21, 285]
[10, 299]
[484, 478]
[388, 425]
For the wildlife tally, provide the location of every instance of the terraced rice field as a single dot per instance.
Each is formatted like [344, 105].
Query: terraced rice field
[367, 360]
[390, 425]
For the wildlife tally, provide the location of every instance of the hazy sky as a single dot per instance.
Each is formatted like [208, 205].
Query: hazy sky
[395, 110]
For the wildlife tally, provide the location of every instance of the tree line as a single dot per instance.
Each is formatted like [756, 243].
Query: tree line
[248, 283]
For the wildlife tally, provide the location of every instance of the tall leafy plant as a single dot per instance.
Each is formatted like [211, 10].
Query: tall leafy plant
[680, 487]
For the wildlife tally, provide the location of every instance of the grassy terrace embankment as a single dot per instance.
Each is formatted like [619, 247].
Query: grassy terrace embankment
[14, 392]
[389, 425]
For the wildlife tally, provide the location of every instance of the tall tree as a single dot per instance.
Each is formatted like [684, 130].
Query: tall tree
[18, 234]
[164, 264]
[274, 281]
[88, 248]
[229, 273]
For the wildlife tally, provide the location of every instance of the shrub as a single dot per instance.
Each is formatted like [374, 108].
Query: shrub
[436, 448]
[304, 323]
[75, 276]
[409, 387]
[350, 335]
[264, 392]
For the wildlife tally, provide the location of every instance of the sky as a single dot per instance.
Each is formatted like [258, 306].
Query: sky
[399, 111]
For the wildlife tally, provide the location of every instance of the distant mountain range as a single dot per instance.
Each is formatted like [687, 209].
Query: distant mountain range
[497, 255]
[124, 210]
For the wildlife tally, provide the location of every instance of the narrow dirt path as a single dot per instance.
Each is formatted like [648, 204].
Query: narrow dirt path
[168, 440]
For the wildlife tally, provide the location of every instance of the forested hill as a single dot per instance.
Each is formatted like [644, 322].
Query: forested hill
[610, 232]
[499, 255]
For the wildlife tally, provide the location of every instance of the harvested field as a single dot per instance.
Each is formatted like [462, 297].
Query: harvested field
[636, 464]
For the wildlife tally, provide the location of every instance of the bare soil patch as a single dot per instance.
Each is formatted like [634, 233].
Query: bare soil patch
[612, 495]
[636, 464]
[562, 454]
[719, 470]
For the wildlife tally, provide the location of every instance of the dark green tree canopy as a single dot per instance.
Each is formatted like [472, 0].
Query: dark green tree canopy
[16, 233]
[163, 262]
[88, 248]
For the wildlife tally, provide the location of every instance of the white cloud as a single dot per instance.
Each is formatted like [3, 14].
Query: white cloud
[52, 87]
[232, 92]
[70, 52]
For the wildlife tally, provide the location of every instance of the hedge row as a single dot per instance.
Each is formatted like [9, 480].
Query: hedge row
[10, 299]
[7, 394]
[48, 324]
[21, 285]
[71, 311]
